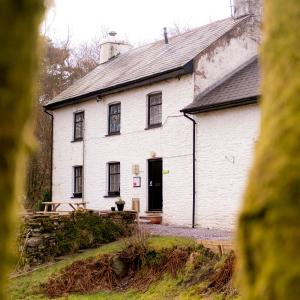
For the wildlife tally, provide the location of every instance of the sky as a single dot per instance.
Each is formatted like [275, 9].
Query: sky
[138, 21]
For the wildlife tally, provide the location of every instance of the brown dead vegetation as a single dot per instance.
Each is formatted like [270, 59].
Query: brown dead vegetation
[127, 269]
[220, 280]
[137, 266]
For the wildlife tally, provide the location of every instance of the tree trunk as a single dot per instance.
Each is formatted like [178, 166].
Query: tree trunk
[269, 225]
[19, 31]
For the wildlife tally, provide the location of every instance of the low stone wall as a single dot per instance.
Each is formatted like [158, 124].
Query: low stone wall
[44, 237]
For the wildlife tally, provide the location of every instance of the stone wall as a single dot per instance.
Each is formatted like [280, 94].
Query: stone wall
[44, 237]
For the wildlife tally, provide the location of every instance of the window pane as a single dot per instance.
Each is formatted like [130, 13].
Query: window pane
[79, 117]
[78, 180]
[78, 130]
[78, 125]
[114, 118]
[114, 179]
[155, 114]
[155, 109]
[155, 99]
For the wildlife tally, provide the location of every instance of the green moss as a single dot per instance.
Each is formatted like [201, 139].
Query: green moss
[19, 32]
[85, 230]
[269, 235]
[159, 242]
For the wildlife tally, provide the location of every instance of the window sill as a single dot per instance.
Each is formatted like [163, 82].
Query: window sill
[113, 133]
[111, 196]
[154, 126]
[77, 140]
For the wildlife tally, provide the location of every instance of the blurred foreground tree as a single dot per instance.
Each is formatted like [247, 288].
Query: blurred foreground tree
[60, 67]
[19, 35]
[269, 225]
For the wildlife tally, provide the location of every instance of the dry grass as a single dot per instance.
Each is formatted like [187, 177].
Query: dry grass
[139, 267]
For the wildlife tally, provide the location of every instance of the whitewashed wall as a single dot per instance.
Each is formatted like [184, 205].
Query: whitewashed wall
[172, 142]
[222, 58]
[225, 144]
[220, 136]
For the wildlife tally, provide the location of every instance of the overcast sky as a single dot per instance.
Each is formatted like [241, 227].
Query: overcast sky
[138, 21]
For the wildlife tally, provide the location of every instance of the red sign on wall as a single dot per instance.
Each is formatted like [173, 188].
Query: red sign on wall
[136, 181]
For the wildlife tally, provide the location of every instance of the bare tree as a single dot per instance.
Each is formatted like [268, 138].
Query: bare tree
[60, 67]
[178, 28]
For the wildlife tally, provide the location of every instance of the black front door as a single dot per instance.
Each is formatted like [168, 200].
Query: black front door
[155, 185]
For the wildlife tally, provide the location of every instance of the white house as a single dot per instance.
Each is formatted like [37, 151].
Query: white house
[162, 123]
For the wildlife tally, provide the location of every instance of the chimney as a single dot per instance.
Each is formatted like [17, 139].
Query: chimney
[111, 47]
[247, 7]
[166, 36]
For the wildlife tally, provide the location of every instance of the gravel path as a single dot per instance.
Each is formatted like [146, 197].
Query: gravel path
[195, 233]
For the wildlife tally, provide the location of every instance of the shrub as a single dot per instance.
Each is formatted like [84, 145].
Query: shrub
[85, 230]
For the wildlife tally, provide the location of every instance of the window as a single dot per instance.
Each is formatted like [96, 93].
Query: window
[114, 179]
[78, 126]
[114, 118]
[78, 182]
[154, 110]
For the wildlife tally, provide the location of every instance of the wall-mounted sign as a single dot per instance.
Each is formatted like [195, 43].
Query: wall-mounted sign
[137, 181]
[165, 172]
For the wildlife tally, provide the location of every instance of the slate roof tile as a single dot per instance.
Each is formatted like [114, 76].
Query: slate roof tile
[148, 60]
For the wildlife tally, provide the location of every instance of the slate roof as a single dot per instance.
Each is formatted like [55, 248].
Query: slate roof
[242, 86]
[147, 61]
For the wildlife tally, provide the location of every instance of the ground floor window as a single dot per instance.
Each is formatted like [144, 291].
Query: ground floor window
[114, 179]
[78, 179]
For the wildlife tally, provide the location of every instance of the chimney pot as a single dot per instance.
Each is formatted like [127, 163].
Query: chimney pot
[112, 33]
[166, 35]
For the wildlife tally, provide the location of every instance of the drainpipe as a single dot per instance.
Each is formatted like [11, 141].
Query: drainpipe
[194, 167]
[51, 163]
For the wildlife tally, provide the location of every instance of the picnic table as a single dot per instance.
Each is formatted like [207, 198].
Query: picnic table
[75, 205]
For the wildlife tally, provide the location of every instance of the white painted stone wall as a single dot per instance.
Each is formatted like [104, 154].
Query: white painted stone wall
[224, 151]
[221, 136]
[223, 58]
[172, 142]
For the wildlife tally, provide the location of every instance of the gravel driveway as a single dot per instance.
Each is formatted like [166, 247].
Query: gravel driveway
[196, 233]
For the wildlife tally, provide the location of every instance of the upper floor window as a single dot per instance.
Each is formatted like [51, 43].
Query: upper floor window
[78, 126]
[114, 119]
[154, 110]
[78, 179]
[114, 179]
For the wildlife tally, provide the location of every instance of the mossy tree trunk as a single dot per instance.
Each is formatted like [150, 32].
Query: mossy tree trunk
[19, 34]
[269, 225]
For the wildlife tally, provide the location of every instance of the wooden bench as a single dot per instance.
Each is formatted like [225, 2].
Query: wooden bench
[75, 205]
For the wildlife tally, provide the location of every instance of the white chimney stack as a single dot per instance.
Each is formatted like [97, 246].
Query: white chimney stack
[111, 47]
[247, 7]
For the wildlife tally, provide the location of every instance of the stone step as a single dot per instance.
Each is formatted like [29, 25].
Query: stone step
[152, 218]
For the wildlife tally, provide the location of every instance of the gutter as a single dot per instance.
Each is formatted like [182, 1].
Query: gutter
[218, 106]
[194, 167]
[51, 163]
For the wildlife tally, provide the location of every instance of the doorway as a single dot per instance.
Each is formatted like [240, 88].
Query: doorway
[155, 185]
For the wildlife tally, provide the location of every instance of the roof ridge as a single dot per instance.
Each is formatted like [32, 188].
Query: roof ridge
[148, 61]
[175, 36]
[189, 31]
[226, 77]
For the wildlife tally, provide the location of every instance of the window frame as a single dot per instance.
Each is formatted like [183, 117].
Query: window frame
[110, 115]
[75, 139]
[77, 194]
[109, 192]
[153, 125]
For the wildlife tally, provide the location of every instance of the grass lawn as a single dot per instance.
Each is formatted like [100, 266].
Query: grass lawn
[27, 286]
